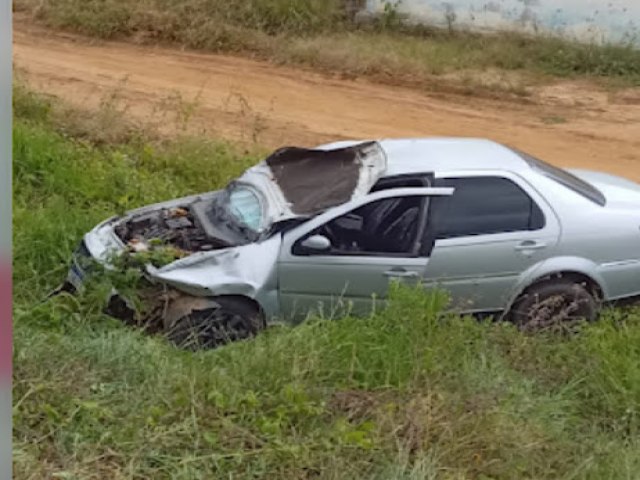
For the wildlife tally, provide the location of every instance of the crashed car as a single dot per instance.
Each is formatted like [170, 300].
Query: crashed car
[326, 230]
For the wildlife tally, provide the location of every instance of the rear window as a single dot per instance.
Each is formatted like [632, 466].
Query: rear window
[565, 178]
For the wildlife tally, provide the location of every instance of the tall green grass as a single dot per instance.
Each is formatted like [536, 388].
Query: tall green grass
[318, 34]
[409, 393]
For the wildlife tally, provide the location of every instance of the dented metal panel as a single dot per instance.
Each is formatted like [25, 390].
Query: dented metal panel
[247, 270]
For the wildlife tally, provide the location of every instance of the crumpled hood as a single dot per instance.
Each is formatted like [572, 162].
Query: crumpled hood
[300, 182]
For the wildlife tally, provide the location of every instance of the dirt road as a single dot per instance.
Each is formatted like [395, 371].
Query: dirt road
[572, 125]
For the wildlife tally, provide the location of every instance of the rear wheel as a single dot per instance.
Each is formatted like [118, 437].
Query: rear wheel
[558, 305]
[230, 320]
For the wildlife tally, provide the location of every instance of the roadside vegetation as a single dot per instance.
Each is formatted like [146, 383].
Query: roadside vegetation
[409, 393]
[322, 36]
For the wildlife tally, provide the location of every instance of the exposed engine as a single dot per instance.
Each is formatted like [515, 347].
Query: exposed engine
[180, 227]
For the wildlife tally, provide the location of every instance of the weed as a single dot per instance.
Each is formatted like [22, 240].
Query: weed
[553, 120]
[253, 121]
[318, 34]
[181, 109]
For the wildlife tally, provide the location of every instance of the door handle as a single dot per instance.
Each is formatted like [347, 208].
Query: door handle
[401, 273]
[530, 245]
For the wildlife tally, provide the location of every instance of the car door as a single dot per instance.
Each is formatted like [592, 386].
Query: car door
[493, 228]
[344, 260]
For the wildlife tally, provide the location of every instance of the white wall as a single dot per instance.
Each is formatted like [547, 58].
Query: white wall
[589, 20]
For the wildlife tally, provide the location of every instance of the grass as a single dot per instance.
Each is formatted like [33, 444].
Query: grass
[318, 35]
[409, 393]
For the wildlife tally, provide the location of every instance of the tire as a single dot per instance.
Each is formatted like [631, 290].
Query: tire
[232, 320]
[556, 305]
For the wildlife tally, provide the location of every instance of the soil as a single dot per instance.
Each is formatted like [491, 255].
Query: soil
[569, 123]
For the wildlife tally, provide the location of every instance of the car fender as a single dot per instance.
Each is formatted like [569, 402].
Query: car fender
[248, 271]
[556, 265]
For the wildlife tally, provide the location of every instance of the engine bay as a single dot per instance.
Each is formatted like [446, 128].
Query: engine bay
[181, 227]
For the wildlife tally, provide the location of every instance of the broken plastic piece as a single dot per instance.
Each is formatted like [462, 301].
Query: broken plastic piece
[178, 212]
[138, 245]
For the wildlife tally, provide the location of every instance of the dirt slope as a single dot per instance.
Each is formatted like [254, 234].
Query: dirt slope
[572, 125]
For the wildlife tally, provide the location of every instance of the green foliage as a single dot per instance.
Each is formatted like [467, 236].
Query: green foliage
[162, 18]
[408, 393]
[391, 18]
[317, 33]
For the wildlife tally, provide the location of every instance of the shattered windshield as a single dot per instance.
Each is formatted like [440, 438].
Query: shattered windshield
[244, 204]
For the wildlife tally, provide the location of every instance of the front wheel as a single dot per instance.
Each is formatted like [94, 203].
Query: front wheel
[558, 305]
[230, 319]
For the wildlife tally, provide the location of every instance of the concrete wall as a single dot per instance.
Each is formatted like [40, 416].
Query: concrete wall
[587, 20]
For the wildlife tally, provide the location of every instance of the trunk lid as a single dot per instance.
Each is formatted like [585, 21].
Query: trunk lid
[619, 192]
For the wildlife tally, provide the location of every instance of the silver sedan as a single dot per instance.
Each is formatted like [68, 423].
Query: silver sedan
[326, 230]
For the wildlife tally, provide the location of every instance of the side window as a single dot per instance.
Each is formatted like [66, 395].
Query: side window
[484, 205]
[384, 227]
[403, 181]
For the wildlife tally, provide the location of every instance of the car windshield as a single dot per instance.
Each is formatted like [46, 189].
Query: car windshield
[245, 206]
[565, 178]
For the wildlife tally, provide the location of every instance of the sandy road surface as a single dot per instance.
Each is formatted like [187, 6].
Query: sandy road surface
[571, 125]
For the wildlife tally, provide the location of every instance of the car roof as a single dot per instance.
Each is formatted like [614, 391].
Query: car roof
[416, 155]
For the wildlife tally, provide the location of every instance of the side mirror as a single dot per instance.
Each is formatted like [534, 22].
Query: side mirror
[316, 243]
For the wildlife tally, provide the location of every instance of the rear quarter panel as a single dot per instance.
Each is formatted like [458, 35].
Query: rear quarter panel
[604, 239]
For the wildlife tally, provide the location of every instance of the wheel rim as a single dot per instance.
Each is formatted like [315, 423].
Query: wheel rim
[557, 313]
[218, 327]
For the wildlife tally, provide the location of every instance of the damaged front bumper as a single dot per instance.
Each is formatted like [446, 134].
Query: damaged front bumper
[82, 266]
[198, 278]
